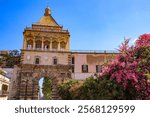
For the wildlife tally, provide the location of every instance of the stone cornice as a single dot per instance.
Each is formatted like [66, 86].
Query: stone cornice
[45, 30]
[45, 51]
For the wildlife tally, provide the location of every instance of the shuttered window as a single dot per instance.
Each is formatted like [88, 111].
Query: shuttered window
[37, 61]
[55, 62]
[85, 68]
[98, 69]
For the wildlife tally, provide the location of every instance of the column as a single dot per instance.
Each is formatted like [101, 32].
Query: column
[25, 44]
[35, 91]
[34, 43]
[22, 89]
[50, 45]
[59, 45]
[42, 43]
[68, 44]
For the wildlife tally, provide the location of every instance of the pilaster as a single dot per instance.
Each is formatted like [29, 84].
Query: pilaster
[33, 43]
[42, 43]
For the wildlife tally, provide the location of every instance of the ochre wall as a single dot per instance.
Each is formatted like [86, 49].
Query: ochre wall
[90, 59]
[46, 58]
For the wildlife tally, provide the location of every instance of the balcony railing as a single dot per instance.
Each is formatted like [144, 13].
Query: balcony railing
[77, 51]
[95, 51]
[46, 30]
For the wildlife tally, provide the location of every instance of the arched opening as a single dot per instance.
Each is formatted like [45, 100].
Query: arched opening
[46, 45]
[45, 89]
[40, 94]
[54, 45]
[62, 45]
[38, 44]
[30, 44]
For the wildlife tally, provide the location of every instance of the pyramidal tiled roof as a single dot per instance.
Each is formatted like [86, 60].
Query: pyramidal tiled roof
[47, 19]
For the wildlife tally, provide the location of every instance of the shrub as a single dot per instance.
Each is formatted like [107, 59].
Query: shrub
[91, 89]
[131, 68]
[47, 88]
[68, 89]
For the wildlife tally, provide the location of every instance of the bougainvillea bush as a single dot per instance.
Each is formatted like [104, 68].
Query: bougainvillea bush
[131, 68]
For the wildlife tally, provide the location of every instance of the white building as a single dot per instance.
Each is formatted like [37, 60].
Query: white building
[4, 85]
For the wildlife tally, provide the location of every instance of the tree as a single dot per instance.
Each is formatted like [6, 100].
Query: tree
[13, 58]
[131, 68]
[47, 88]
[1, 61]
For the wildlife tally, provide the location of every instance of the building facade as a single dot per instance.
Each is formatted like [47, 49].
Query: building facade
[4, 85]
[47, 43]
[46, 53]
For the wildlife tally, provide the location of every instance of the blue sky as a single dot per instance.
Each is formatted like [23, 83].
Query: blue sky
[93, 24]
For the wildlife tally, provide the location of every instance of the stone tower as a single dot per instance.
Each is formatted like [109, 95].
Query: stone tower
[45, 53]
[44, 39]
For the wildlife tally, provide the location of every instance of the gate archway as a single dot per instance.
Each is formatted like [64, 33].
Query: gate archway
[26, 83]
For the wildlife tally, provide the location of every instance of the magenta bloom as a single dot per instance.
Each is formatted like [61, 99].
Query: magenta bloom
[129, 69]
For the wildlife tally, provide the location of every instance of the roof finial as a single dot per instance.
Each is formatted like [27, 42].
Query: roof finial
[47, 11]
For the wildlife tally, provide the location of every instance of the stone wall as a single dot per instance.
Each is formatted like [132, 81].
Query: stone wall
[90, 59]
[25, 84]
[46, 57]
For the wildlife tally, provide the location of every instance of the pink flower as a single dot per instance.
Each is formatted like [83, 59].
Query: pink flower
[144, 40]
[129, 68]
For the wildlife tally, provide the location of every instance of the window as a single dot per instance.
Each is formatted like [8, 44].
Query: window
[62, 45]
[55, 45]
[46, 47]
[29, 46]
[85, 68]
[98, 69]
[72, 60]
[72, 69]
[28, 57]
[37, 61]
[38, 44]
[4, 87]
[55, 62]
